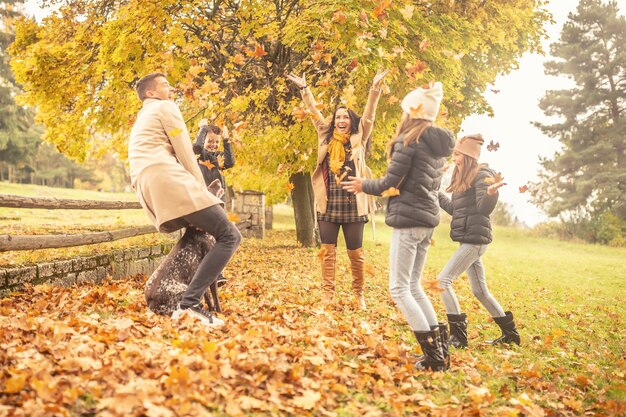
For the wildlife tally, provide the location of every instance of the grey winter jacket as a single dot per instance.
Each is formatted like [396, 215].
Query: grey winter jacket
[470, 211]
[416, 171]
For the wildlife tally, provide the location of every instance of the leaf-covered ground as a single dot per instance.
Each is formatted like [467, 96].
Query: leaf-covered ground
[285, 351]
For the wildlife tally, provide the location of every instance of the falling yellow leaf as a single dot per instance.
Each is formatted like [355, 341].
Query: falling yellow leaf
[335, 166]
[493, 180]
[340, 178]
[369, 269]
[390, 192]
[175, 132]
[290, 186]
[233, 217]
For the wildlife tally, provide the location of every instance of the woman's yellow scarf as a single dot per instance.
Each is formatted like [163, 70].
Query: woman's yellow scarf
[336, 151]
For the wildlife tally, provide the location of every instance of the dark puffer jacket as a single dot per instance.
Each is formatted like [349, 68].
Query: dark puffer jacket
[416, 171]
[470, 211]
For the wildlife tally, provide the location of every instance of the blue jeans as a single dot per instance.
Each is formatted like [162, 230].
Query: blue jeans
[468, 259]
[407, 259]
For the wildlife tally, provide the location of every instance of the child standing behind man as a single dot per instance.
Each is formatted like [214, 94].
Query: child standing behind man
[212, 161]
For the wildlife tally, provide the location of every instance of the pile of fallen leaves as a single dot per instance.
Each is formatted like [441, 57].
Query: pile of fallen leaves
[97, 350]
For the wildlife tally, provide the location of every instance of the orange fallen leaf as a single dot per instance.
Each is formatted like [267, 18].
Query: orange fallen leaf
[339, 17]
[299, 114]
[290, 186]
[416, 112]
[240, 126]
[523, 188]
[321, 254]
[416, 69]
[433, 286]
[307, 400]
[238, 59]
[390, 192]
[259, 51]
[423, 45]
[493, 146]
[353, 64]
[208, 164]
[369, 269]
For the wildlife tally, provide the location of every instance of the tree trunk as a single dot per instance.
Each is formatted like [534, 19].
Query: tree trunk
[303, 209]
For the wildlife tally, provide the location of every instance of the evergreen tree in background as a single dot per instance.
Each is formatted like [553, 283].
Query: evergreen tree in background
[585, 181]
[19, 138]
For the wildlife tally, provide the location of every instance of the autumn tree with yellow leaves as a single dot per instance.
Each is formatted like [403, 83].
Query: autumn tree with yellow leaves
[228, 60]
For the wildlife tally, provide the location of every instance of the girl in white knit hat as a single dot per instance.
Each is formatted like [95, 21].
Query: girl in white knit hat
[417, 157]
[474, 189]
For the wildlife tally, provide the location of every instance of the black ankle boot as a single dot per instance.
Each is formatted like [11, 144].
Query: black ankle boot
[431, 345]
[509, 330]
[458, 330]
[443, 332]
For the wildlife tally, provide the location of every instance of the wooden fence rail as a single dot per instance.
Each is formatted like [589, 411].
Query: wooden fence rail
[17, 201]
[29, 242]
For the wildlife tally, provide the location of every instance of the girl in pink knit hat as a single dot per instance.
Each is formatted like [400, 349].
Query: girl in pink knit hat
[474, 189]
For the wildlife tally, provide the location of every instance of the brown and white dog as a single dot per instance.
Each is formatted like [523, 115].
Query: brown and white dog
[167, 283]
[165, 287]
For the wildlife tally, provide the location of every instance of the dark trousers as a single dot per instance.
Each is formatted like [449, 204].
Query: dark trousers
[214, 221]
[352, 233]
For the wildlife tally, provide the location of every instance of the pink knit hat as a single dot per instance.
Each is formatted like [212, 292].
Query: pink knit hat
[470, 145]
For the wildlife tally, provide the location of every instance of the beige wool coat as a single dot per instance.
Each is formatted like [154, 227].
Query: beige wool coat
[358, 141]
[163, 168]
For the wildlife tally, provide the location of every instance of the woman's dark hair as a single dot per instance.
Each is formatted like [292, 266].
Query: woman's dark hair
[355, 119]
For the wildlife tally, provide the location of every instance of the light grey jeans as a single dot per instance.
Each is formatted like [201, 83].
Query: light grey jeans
[468, 259]
[407, 259]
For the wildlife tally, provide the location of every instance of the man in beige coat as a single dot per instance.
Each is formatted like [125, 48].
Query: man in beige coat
[169, 185]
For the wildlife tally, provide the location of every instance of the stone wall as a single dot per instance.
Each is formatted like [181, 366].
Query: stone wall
[118, 264]
[250, 208]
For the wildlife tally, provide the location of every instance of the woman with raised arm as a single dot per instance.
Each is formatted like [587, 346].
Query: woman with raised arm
[342, 142]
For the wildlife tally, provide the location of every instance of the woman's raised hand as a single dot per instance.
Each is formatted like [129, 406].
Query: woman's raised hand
[378, 78]
[298, 81]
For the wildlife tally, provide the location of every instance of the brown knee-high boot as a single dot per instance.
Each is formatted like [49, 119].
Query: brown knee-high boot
[328, 268]
[357, 265]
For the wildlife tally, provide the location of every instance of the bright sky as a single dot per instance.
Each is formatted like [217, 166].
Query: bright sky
[515, 107]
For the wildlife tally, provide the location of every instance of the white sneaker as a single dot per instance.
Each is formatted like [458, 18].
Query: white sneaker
[198, 313]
